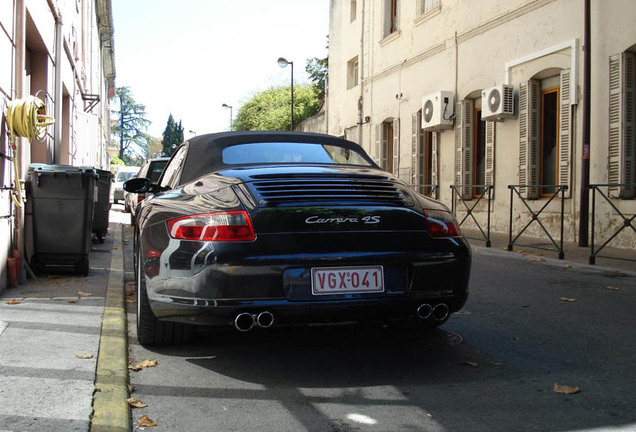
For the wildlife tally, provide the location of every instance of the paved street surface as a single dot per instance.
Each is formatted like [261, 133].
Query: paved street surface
[531, 323]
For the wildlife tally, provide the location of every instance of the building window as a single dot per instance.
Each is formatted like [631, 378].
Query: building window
[353, 11]
[549, 144]
[622, 120]
[545, 135]
[387, 141]
[391, 16]
[424, 6]
[474, 149]
[424, 168]
[352, 73]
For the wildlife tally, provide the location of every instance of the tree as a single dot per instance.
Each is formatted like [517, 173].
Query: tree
[172, 136]
[270, 109]
[131, 128]
[318, 69]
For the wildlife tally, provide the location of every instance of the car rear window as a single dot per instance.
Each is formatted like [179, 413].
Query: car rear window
[289, 152]
[155, 170]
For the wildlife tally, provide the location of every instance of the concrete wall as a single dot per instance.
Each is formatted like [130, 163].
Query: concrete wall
[464, 47]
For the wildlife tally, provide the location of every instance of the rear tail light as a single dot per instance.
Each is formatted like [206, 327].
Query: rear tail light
[222, 226]
[441, 224]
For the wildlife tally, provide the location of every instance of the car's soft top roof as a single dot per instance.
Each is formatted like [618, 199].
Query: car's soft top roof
[204, 153]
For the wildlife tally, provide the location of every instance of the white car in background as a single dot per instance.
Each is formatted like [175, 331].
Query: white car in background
[123, 173]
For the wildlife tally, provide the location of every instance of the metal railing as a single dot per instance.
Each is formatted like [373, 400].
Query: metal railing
[430, 190]
[627, 222]
[470, 204]
[558, 189]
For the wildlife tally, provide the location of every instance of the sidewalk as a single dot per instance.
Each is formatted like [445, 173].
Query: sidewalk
[50, 334]
[609, 257]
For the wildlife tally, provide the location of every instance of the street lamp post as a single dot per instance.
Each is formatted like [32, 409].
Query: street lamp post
[230, 107]
[282, 62]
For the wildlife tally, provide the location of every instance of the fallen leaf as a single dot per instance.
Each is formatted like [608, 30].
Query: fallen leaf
[473, 364]
[567, 266]
[130, 293]
[130, 388]
[143, 364]
[565, 389]
[84, 356]
[136, 403]
[131, 300]
[537, 260]
[72, 301]
[429, 415]
[54, 276]
[132, 283]
[12, 302]
[147, 422]
[569, 300]
[613, 288]
[84, 294]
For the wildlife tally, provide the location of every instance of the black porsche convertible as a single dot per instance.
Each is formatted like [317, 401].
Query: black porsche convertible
[257, 229]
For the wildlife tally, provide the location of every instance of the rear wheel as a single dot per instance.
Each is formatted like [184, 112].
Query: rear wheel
[150, 330]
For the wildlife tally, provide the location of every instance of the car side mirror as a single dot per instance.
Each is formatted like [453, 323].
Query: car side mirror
[138, 185]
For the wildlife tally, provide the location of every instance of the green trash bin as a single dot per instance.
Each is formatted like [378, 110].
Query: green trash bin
[62, 202]
[102, 204]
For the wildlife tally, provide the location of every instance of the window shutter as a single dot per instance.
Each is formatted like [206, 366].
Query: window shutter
[490, 155]
[565, 134]
[630, 123]
[415, 153]
[378, 145]
[529, 129]
[464, 147]
[396, 146]
[622, 139]
[434, 162]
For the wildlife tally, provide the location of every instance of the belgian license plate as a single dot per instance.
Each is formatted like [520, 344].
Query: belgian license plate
[347, 280]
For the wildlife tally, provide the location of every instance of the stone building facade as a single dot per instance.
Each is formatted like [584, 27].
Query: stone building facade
[62, 52]
[451, 93]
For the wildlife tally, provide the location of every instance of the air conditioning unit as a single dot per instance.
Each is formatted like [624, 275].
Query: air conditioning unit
[438, 111]
[498, 103]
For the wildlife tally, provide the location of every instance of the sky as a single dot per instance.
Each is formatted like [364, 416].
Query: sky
[189, 57]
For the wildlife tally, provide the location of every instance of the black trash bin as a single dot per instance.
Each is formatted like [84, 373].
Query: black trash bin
[62, 201]
[102, 204]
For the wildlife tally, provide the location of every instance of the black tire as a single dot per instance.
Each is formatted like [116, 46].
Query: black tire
[85, 268]
[150, 330]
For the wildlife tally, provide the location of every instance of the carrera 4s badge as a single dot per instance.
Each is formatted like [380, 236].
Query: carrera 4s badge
[340, 220]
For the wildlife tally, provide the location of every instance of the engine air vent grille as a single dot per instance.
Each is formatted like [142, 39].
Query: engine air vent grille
[345, 190]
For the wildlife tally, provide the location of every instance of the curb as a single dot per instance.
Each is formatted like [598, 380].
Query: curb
[111, 412]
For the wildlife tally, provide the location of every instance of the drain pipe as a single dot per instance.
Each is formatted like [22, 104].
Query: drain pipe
[21, 155]
[57, 127]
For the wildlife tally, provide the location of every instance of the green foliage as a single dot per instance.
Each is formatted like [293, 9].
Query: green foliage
[172, 136]
[317, 70]
[116, 161]
[131, 127]
[270, 109]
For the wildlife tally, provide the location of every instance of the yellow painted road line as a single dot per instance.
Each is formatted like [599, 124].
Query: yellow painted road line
[111, 412]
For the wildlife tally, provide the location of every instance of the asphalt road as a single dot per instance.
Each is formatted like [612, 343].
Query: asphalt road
[527, 326]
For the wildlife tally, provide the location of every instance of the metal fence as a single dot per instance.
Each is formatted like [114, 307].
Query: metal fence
[558, 189]
[470, 204]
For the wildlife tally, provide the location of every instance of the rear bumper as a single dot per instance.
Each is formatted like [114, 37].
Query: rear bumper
[223, 312]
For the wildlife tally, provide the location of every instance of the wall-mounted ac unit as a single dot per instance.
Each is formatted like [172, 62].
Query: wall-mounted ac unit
[498, 103]
[438, 111]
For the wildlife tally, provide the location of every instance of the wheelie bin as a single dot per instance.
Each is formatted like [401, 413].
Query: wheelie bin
[62, 202]
[102, 204]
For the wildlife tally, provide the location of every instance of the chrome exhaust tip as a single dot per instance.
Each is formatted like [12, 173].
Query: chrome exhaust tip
[265, 319]
[440, 312]
[244, 322]
[424, 311]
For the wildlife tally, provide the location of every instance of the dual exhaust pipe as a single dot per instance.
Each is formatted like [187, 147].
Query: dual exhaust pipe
[439, 312]
[245, 321]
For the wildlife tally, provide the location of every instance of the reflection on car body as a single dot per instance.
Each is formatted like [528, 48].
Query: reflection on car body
[257, 229]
